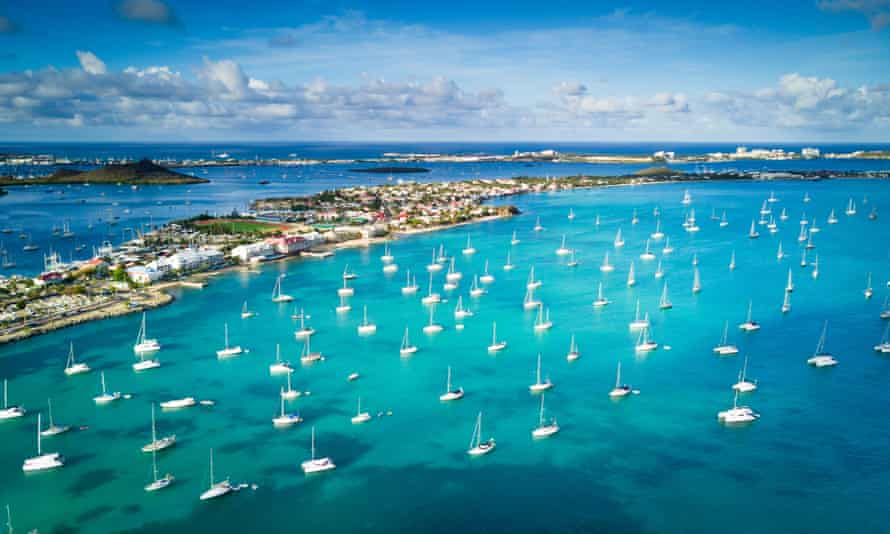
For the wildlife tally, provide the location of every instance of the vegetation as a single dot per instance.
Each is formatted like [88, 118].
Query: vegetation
[143, 172]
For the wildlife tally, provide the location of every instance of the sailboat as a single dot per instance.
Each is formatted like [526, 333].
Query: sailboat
[538, 226]
[529, 302]
[304, 331]
[749, 325]
[832, 218]
[631, 278]
[694, 259]
[851, 207]
[687, 198]
[563, 250]
[815, 273]
[571, 215]
[802, 236]
[514, 240]
[158, 483]
[619, 241]
[277, 295]
[574, 353]
[144, 345]
[73, 367]
[723, 222]
[228, 351]
[344, 305]
[753, 233]
[347, 274]
[657, 234]
[696, 281]
[407, 349]
[540, 386]
[434, 266]
[737, 414]
[290, 393]
[360, 416]
[543, 322]
[459, 311]
[884, 346]
[646, 255]
[431, 297]
[469, 249]
[216, 489]
[532, 283]
[868, 290]
[606, 267]
[42, 462]
[106, 397]
[784, 215]
[620, 390]
[453, 275]
[885, 313]
[410, 286]
[316, 465]
[744, 385]
[573, 262]
[495, 344]
[810, 245]
[596, 220]
[451, 393]
[508, 265]
[691, 226]
[806, 197]
[486, 277]
[246, 313]
[53, 429]
[725, 348]
[732, 261]
[600, 299]
[644, 344]
[477, 446]
[820, 357]
[156, 444]
[307, 356]
[387, 256]
[664, 303]
[475, 290]
[432, 326]
[366, 328]
[803, 258]
[786, 303]
[789, 285]
[285, 419]
[345, 291]
[442, 258]
[639, 322]
[667, 246]
[659, 271]
[544, 429]
[779, 253]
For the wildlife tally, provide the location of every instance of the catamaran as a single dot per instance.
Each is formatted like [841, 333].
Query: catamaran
[476, 290]
[431, 297]
[407, 349]
[495, 344]
[574, 353]
[664, 303]
[737, 414]
[646, 255]
[451, 393]
[246, 313]
[106, 397]
[619, 241]
[644, 344]
[639, 322]
[532, 283]
[42, 462]
[606, 267]
[725, 348]
[360, 416]
[620, 390]
[540, 386]
[821, 358]
[600, 299]
[453, 275]
[631, 278]
[216, 489]
[868, 290]
[228, 351]
[277, 295]
[432, 326]
[744, 385]
[410, 286]
[542, 321]
[144, 345]
[156, 444]
[366, 327]
[477, 446]
[53, 429]
[316, 465]
[563, 250]
[459, 311]
[514, 240]
[508, 265]
[545, 429]
[307, 356]
[304, 331]
[486, 277]
[750, 325]
[73, 367]
[469, 249]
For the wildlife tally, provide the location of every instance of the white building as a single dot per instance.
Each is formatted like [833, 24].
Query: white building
[810, 152]
[253, 250]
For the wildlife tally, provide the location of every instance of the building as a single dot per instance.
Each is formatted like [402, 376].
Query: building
[245, 253]
[143, 275]
[810, 152]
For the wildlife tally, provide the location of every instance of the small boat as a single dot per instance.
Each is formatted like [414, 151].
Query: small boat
[42, 462]
[496, 345]
[477, 446]
[873, 214]
[434, 265]
[304, 331]
[486, 277]
[277, 295]
[639, 322]
[815, 272]
[432, 326]
[606, 267]
[574, 353]
[469, 249]
[806, 197]
[279, 367]
[723, 222]
[144, 345]
[631, 278]
[884, 346]
[543, 322]
[687, 198]
[744, 385]
[216, 489]
[544, 429]
[53, 429]
[784, 215]
[644, 344]
[647, 255]
[431, 297]
[176, 404]
[245, 313]
[749, 325]
[619, 241]
[802, 236]
[764, 210]
[366, 327]
[476, 290]
[390, 268]
[667, 246]
[410, 286]
[316, 465]
[725, 348]
[529, 302]
[228, 351]
[360, 416]
[772, 198]
[459, 311]
[753, 233]
[596, 220]
[442, 258]
[737, 414]
[352, 377]
[664, 303]
[803, 258]
[885, 313]
[407, 349]
[540, 386]
[73, 367]
[820, 357]
[156, 444]
[868, 290]
[451, 393]
[563, 250]
[514, 240]
[600, 299]
[308, 356]
[105, 397]
[620, 390]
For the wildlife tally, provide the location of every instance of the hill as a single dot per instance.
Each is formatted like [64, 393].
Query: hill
[143, 172]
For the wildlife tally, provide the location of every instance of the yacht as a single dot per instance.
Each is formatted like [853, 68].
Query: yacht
[486, 277]
[639, 322]
[529, 302]
[772, 198]
[156, 444]
[316, 465]
[469, 249]
[563, 250]
[725, 348]
[451, 393]
[749, 325]
[290, 393]
[540, 386]
[246, 313]
[644, 344]
[53, 429]
[806, 197]
[477, 446]
[144, 345]
[366, 328]
[431, 297]
[228, 351]
[495, 344]
[815, 272]
[216, 489]
[820, 357]
[453, 275]
[619, 241]
[851, 207]
[601, 300]
[659, 271]
[744, 385]
[42, 462]
[73, 367]
[664, 303]
[476, 290]
[304, 331]
[442, 258]
[407, 349]
[737, 414]
[802, 236]
[410, 287]
[279, 367]
[106, 397]
[783, 216]
[723, 222]
[308, 357]
[646, 255]
[390, 268]
[459, 311]
[176, 404]
[803, 259]
[360, 416]
[543, 322]
[277, 295]
[607, 267]
[631, 277]
[667, 246]
[158, 483]
[574, 353]
[573, 262]
[620, 390]
[544, 429]
[432, 326]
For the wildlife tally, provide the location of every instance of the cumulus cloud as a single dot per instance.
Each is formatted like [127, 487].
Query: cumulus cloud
[90, 63]
[7, 26]
[150, 11]
[876, 11]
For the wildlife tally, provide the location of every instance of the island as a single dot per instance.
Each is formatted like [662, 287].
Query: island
[391, 170]
[143, 172]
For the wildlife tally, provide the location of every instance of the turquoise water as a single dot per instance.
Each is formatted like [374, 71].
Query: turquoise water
[815, 462]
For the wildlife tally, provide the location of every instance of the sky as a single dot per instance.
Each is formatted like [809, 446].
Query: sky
[316, 70]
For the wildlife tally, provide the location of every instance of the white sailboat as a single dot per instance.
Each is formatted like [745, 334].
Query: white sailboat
[664, 303]
[737, 414]
[539, 385]
[639, 322]
[290, 393]
[532, 283]
[820, 357]
[344, 306]
[786, 303]
[687, 198]
[803, 258]
[410, 286]
[802, 236]
[144, 345]
[442, 258]
[646, 255]
[390, 268]
[277, 295]
[285, 419]
[696, 281]
[308, 356]
[657, 234]
[53, 429]
[753, 233]
[459, 311]
[360, 416]
[571, 215]
[477, 446]
[434, 266]
[631, 278]
[885, 312]
[304, 331]
[832, 218]
[667, 246]
[542, 321]
[574, 353]
[725, 348]
[451, 393]
[545, 429]
[144, 364]
[508, 265]
[431, 296]
[486, 277]
[216, 489]
[784, 215]
[42, 462]
[868, 290]
[176, 404]
[469, 249]
[884, 346]
[346, 291]
[606, 267]
[538, 226]
[789, 285]
[407, 349]
[620, 390]
[815, 272]
[619, 241]
[723, 222]
[851, 207]
[514, 240]
[573, 262]
[806, 197]
[563, 250]
[366, 327]
[157, 483]
[476, 290]
[387, 256]
[750, 325]
[600, 299]
[495, 344]
[732, 261]
[644, 343]
[596, 220]
[316, 465]
[347, 274]
[453, 275]
[432, 327]
[105, 397]
[245, 312]
[73, 367]
[228, 351]
[744, 385]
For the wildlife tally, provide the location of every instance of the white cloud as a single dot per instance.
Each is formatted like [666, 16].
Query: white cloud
[90, 63]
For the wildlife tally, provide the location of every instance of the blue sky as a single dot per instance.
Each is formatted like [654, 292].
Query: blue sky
[816, 70]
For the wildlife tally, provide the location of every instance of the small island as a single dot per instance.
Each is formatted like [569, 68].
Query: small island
[143, 172]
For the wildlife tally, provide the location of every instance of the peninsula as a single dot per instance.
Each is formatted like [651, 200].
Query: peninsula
[143, 172]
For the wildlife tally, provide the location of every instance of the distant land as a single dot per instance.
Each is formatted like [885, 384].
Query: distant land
[143, 172]
[391, 170]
